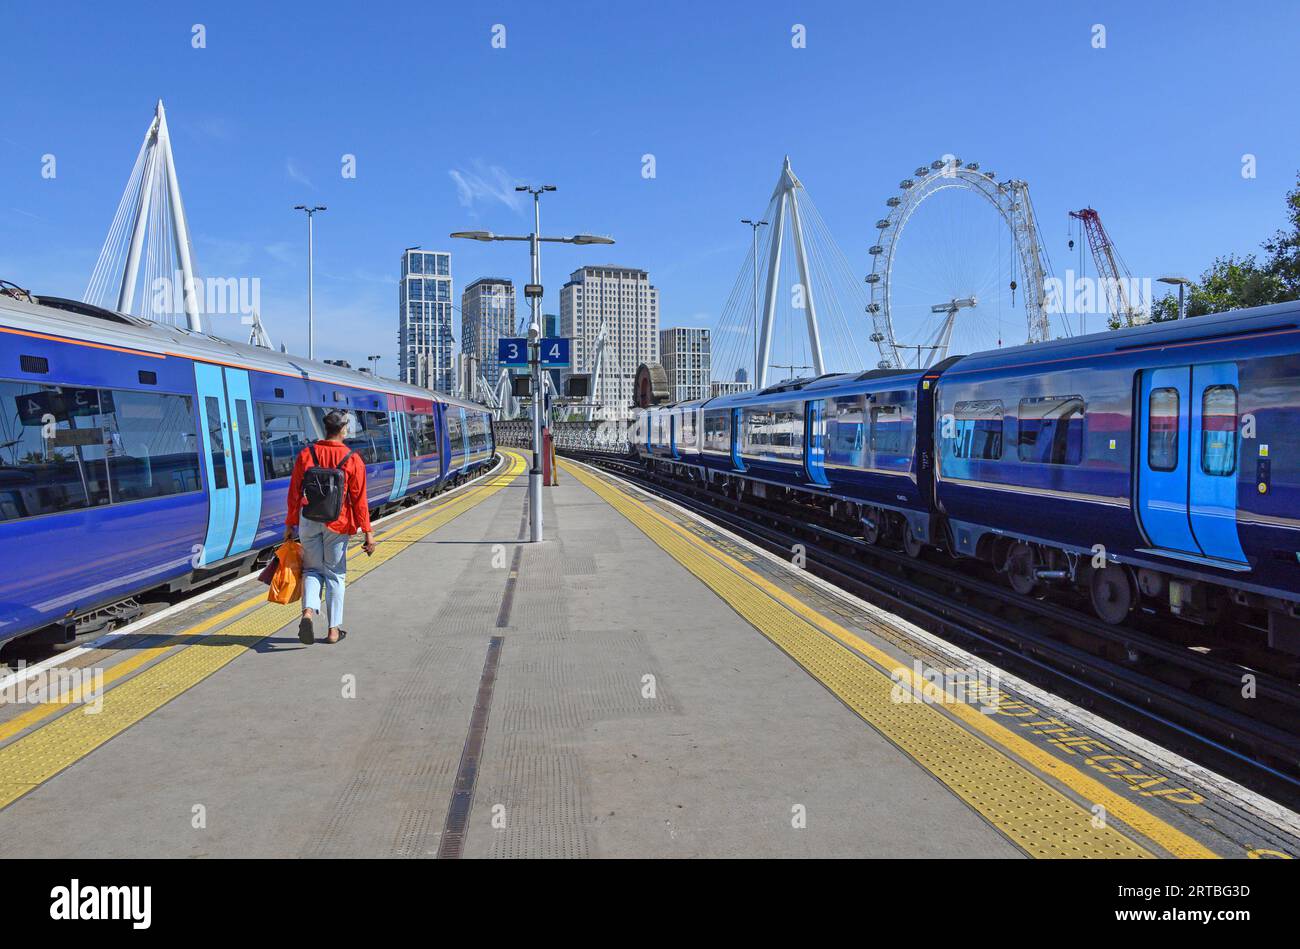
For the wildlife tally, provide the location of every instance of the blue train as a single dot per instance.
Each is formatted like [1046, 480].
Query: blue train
[1152, 467]
[136, 456]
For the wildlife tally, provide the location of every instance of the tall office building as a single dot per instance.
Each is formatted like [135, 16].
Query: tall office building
[487, 313]
[622, 299]
[424, 342]
[685, 354]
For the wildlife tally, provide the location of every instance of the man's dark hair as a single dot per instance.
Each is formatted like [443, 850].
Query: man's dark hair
[335, 422]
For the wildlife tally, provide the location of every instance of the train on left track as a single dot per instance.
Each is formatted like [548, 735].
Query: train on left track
[138, 457]
[1154, 467]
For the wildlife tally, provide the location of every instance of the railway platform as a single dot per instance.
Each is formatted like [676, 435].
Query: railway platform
[641, 684]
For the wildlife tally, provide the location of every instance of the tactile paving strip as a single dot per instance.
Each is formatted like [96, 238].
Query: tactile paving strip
[1032, 813]
[36, 757]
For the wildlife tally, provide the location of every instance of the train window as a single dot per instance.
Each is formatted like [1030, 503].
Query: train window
[1219, 430]
[717, 431]
[284, 434]
[245, 441]
[378, 431]
[152, 445]
[977, 430]
[1051, 430]
[892, 431]
[845, 423]
[454, 436]
[1162, 429]
[686, 433]
[215, 443]
[52, 450]
[426, 434]
[775, 433]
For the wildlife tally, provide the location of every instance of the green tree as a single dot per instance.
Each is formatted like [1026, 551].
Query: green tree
[1236, 282]
[1284, 247]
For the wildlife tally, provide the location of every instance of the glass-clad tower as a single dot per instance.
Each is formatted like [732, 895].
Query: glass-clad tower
[424, 342]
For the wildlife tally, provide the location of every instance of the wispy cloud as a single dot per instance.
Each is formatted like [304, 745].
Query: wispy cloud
[486, 183]
[293, 171]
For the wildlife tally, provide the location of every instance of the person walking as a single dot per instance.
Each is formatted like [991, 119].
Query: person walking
[327, 505]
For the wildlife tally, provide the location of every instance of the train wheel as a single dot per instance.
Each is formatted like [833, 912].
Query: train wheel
[912, 545]
[1112, 593]
[1022, 569]
[871, 527]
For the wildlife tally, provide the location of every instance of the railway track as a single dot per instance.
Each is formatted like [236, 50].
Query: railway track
[1188, 700]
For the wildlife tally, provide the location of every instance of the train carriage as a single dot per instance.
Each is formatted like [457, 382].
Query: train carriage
[135, 455]
[1167, 451]
[1155, 466]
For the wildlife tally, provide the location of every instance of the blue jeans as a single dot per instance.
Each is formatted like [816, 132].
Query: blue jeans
[324, 562]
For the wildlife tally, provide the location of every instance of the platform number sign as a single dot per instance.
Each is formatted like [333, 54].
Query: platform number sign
[556, 352]
[512, 353]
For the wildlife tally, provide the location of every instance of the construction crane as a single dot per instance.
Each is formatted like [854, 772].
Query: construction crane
[1112, 270]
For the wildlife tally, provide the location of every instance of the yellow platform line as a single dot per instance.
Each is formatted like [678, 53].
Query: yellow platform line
[29, 761]
[995, 771]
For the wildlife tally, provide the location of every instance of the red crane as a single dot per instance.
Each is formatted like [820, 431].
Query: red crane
[1111, 268]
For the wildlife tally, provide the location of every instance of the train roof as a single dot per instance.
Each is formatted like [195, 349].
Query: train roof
[82, 321]
[1258, 319]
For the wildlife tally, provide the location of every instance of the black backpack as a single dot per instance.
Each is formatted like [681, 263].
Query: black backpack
[323, 489]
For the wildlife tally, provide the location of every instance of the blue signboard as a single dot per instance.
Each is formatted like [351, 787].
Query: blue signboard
[512, 353]
[556, 352]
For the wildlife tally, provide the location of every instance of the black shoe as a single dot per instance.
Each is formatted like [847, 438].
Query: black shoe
[306, 635]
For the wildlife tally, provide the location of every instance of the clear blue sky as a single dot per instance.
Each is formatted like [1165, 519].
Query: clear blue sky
[1151, 130]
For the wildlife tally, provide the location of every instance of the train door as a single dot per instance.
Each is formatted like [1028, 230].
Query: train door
[814, 442]
[232, 465]
[401, 455]
[737, 439]
[1187, 469]
[464, 439]
[672, 433]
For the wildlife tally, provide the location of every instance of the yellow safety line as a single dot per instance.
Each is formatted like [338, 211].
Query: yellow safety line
[31, 760]
[1019, 802]
[121, 669]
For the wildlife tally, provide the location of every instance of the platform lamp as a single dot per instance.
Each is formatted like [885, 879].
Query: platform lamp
[533, 291]
[1181, 282]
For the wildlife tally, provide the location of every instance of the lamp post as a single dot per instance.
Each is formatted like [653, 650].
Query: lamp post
[311, 328]
[534, 293]
[1180, 282]
[374, 365]
[755, 225]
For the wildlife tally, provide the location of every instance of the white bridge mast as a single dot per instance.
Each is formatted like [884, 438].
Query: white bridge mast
[153, 185]
[786, 197]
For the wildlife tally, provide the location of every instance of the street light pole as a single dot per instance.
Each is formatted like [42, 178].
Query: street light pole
[755, 225]
[1181, 282]
[534, 293]
[311, 323]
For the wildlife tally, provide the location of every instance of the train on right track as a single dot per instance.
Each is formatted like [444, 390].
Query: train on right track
[1153, 467]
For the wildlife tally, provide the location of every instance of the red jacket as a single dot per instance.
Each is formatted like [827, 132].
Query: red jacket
[355, 515]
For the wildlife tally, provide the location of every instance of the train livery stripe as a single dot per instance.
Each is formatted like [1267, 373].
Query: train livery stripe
[1017, 787]
[29, 761]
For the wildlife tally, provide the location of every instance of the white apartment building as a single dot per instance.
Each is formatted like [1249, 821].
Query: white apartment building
[685, 353]
[487, 313]
[621, 299]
